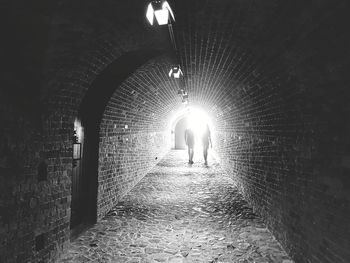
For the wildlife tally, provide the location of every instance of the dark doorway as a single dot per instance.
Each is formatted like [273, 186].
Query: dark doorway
[80, 205]
[180, 134]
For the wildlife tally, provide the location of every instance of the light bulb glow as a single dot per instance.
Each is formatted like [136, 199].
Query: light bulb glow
[162, 16]
[197, 120]
[150, 13]
[161, 13]
[176, 72]
[167, 6]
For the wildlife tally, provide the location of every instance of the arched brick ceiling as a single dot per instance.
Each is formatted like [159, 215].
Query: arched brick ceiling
[239, 55]
[223, 45]
[239, 59]
[145, 99]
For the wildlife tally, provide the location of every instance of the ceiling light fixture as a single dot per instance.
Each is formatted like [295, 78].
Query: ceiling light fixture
[160, 10]
[175, 72]
[184, 97]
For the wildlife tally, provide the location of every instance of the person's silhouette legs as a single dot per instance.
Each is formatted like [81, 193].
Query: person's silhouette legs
[205, 155]
[190, 155]
[189, 139]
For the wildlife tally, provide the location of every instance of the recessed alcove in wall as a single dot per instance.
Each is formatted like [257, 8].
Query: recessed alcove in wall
[178, 134]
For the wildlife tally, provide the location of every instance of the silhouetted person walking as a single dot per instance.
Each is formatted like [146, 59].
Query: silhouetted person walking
[206, 139]
[189, 139]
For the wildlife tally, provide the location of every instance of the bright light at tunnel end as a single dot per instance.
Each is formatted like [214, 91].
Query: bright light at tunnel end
[197, 120]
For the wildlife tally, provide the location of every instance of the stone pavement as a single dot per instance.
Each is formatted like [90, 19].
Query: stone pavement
[179, 213]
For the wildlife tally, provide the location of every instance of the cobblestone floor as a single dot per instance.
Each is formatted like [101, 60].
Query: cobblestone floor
[179, 213]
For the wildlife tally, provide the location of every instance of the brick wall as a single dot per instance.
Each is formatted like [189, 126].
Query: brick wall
[125, 159]
[35, 160]
[273, 75]
[284, 138]
[134, 133]
[35, 189]
[36, 139]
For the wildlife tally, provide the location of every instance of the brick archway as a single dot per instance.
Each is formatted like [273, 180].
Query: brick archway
[179, 133]
[90, 114]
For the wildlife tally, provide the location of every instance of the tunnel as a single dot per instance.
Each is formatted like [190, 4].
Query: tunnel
[92, 122]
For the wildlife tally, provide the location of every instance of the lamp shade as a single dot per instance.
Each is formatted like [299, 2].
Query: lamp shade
[159, 10]
[175, 72]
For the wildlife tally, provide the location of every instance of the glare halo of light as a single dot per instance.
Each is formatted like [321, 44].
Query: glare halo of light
[167, 6]
[162, 16]
[197, 120]
[150, 13]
